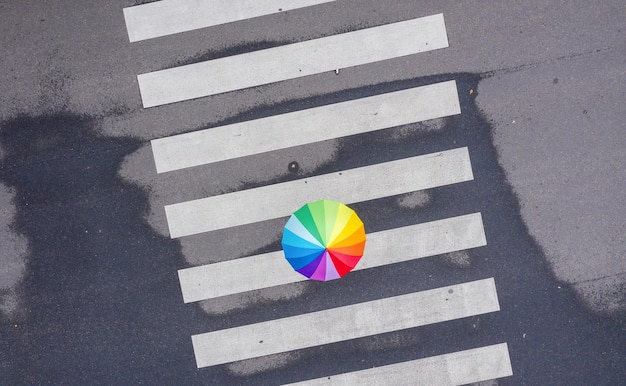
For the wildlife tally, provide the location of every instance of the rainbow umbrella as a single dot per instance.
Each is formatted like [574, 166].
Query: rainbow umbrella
[324, 240]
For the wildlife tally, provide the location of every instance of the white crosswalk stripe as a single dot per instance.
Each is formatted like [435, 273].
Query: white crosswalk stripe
[459, 368]
[279, 200]
[306, 126]
[296, 128]
[166, 17]
[344, 323]
[386, 247]
[292, 61]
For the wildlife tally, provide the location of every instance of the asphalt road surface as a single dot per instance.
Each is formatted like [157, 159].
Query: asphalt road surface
[150, 157]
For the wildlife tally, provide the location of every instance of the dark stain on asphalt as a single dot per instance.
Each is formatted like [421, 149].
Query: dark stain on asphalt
[229, 51]
[100, 286]
[103, 302]
[258, 45]
[539, 317]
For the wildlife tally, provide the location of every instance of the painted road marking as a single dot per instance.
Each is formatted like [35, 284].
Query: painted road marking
[344, 323]
[356, 185]
[292, 61]
[385, 247]
[458, 368]
[347, 118]
[167, 17]
[306, 126]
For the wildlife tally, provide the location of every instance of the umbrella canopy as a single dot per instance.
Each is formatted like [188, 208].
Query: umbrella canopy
[324, 240]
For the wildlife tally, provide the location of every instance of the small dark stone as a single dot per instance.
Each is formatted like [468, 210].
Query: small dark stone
[293, 167]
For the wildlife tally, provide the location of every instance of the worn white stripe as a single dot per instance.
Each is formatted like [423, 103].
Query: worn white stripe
[382, 248]
[458, 368]
[349, 186]
[306, 126]
[166, 17]
[292, 61]
[344, 323]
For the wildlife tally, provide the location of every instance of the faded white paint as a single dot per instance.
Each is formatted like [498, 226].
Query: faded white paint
[344, 323]
[293, 61]
[167, 17]
[306, 126]
[458, 368]
[382, 248]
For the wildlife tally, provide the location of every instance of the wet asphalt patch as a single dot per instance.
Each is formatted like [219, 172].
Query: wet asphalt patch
[101, 298]
[100, 289]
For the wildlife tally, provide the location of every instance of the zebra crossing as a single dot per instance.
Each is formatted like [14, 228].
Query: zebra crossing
[167, 17]
[347, 322]
[278, 200]
[383, 248]
[461, 367]
[353, 117]
[292, 61]
[304, 126]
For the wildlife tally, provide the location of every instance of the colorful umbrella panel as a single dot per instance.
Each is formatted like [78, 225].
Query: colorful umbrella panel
[324, 240]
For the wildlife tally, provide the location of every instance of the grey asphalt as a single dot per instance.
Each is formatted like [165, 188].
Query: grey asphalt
[547, 78]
